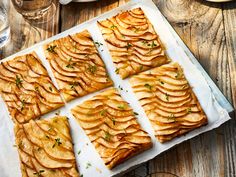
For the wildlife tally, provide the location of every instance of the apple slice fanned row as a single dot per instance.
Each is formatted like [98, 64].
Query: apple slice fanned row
[111, 126]
[45, 148]
[132, 42]
[76, 65]
[27, 88]
[168, 101]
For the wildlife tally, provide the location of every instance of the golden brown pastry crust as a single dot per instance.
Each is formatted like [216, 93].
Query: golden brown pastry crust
[77, 66]
[45, 148]
[110, 124]
[27, 88]
[133, 42]
[168, 101]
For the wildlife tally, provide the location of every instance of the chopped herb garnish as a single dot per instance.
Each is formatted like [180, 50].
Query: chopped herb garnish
[121, 106]
[39, 173]
[47, 136]
[88, 165]
[57, 113]
[189, 110]
[107, 136]
[51, 48]
[113, 121]
[141, 68]
[148, 86]
[98, 44]
[79, 152]
[136, 29]
[145, 42]
[22, 105]
[120, 87]
[73, 84]
[117, 70]
[161, 81]
[50, 88]
[113, 26]
[167, 96]
[71, 65]
[135, 113]
[81, 175]
[57, 142]
[18, 81]
[128, 45]
[92, 68]
[178, 75]
[103, 112]
[171, 116]
[21, 145]
[153, 44]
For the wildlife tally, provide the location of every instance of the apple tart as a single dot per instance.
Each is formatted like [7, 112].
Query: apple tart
[76, 65]
[168, 101]
[45, 148]
[132, 42]
[27, 88]
[110, 124]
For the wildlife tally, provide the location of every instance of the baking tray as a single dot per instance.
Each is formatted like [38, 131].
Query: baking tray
[212, 100]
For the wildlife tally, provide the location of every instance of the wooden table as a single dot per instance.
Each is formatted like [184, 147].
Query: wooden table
[209, 31]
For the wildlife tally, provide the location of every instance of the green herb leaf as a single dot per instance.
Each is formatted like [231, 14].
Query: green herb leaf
[148, 86]
[161, 82]
[73, 85]
[79, 152]
[98, 44]
[22, 105]
[88, 165]
[103, 112]
[113, 26]
[135, 113]
[92, 69]
[121, 107]
[50, 88]
[167, 96]
[120, 87]
[39, 173]
[107, 136]
[128, 45]
[51, 48]
[117, 70]
[18, 81]
[171, 116]
[189, 110]
[113, 121]
[57, 142]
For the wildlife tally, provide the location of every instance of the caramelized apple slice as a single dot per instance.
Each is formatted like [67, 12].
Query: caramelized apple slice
[112, 127]
[77, 66]
[132, 42]
[168, 101]
[45, 148]
[27, 88]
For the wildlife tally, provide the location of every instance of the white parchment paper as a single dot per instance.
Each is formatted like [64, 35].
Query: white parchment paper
[9, 161]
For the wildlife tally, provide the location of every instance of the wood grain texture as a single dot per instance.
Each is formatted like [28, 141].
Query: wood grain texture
[24, 35]
[208, 29]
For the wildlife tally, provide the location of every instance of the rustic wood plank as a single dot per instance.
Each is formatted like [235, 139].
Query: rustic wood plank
[201, 26]
[23, 35]
[229, 12]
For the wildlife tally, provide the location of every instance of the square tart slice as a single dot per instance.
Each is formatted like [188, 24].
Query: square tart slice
[76, 65]
[27, 88]
[168, 101]
[132, 42]
[111, 126]
[45, 148]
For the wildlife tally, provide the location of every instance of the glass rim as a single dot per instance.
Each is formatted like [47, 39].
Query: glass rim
[3, 11]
